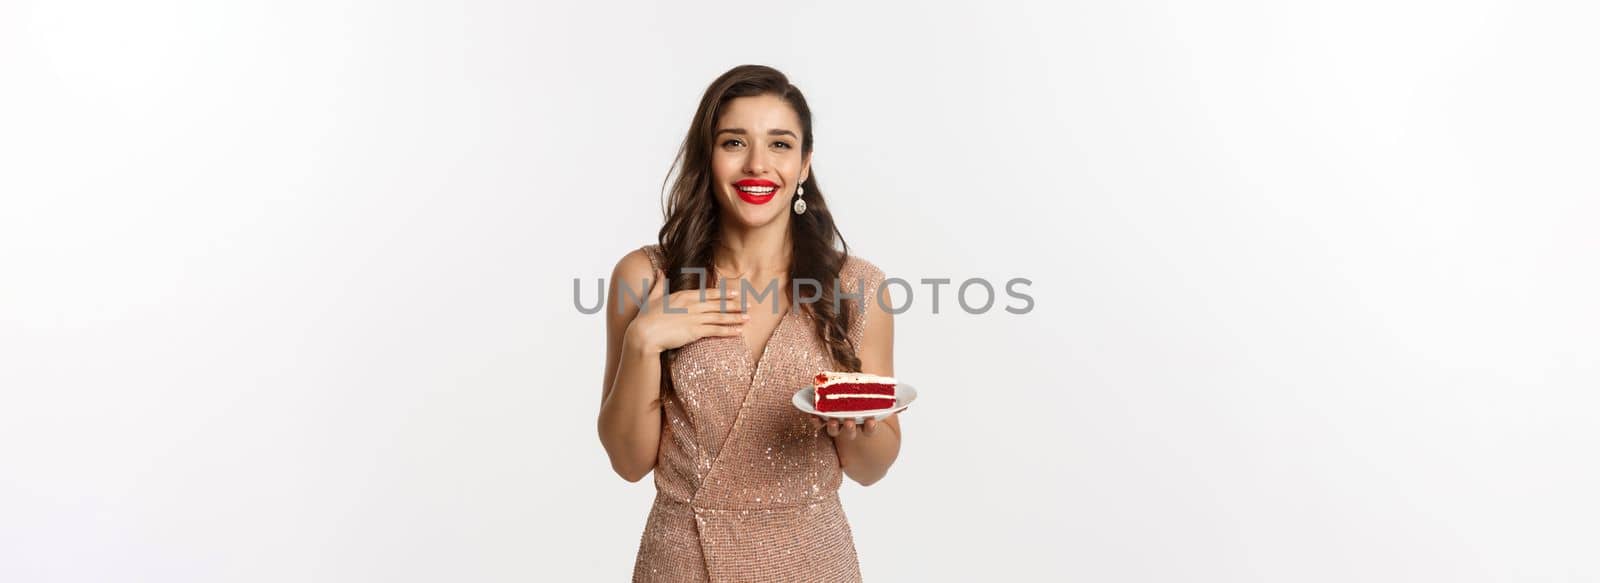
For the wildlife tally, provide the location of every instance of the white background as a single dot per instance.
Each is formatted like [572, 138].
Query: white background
[286, 287]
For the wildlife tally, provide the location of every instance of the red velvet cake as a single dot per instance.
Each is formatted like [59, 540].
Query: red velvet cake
[852, 391]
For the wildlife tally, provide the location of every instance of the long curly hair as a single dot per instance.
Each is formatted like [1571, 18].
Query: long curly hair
[689, 235]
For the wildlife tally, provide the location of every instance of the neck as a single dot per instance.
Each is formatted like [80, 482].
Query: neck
[743, 252]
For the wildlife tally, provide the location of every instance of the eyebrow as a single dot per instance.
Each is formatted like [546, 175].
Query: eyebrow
[741, 131]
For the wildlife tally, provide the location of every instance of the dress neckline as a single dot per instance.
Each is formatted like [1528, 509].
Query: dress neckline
[754, 368]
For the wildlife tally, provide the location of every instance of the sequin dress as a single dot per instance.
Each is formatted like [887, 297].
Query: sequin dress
[746, 490]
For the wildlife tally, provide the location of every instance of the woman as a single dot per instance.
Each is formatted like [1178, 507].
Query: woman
[699, 391]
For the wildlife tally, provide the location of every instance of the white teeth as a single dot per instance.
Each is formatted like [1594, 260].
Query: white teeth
[757, 189]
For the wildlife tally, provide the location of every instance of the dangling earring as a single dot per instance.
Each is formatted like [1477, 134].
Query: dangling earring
[799, 203]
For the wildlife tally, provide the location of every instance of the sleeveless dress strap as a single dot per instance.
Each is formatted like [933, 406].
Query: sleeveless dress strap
[656, 259]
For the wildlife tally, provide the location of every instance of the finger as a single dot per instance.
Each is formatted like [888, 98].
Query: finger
[724, 319]
[729, 306]
[850, 429]
[870, 427]
[816, 423]
[705, 295]
[690, 301]
[705, 330]
[833, 427]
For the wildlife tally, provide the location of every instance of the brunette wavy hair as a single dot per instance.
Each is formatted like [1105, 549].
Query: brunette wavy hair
[689, 235]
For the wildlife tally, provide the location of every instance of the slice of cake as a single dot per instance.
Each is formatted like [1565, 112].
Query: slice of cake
[852, 391]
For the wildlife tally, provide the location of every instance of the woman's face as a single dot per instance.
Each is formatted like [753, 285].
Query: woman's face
[756, 161]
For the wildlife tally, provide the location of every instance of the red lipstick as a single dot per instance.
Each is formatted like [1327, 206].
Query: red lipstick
[756, 190]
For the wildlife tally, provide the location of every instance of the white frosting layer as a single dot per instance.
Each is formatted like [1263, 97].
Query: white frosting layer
[859, 396]
[835, 378]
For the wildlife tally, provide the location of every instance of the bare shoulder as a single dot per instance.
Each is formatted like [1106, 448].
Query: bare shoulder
[630, 280]
[865, 279]
[857, 267]
[634, 266]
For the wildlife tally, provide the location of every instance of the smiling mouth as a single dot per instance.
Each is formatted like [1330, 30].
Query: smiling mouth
[756, 194]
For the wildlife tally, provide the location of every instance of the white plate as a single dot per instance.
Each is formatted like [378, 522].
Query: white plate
[904, 394]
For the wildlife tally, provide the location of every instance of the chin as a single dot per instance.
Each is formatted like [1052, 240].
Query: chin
[750, 215]
[752, 218]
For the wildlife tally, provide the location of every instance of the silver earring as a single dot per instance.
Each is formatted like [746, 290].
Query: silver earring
[799, 203]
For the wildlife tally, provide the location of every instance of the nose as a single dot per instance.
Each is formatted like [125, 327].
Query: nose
[753, 164]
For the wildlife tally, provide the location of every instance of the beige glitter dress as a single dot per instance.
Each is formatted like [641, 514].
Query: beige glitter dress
[746, 490]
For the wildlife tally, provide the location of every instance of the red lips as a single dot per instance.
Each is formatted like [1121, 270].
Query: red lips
[755, 197]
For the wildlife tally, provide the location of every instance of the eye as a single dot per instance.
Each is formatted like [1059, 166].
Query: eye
[784, 144]
[731, 142]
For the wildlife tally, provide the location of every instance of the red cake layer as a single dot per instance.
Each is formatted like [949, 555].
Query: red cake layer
[854, 404]
[857, 388]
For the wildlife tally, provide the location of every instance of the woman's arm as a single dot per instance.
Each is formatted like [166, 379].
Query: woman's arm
[630, 398]
[866, 453]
